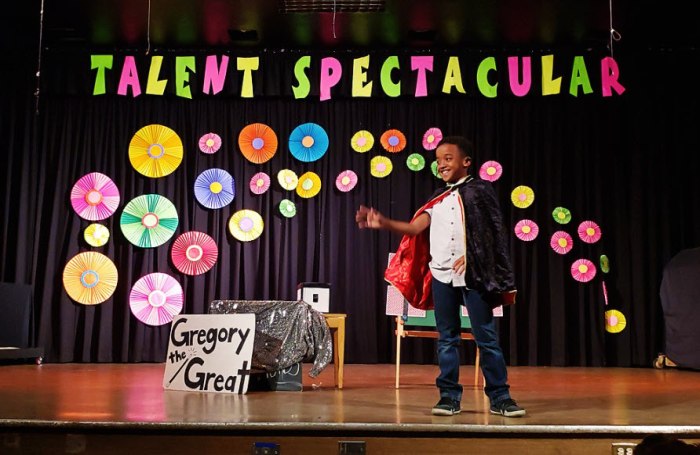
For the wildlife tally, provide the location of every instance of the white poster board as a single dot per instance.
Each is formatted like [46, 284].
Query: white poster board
[210, 353]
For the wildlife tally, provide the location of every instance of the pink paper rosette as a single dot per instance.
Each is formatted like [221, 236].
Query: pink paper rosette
[210, 143]
[194, 253]
[491, 171]
[561, 242]
[526, 230]
[259, 183]
[583, 270]
[156, 298]
[432, 138]
[589, 231]
[94, 197]
[346, 181]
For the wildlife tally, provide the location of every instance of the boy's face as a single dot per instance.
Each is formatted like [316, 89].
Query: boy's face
[452, 165]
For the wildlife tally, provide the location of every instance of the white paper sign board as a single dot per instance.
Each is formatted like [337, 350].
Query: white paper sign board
[210, 353]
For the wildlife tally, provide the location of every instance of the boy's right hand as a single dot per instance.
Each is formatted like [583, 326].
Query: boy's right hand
[361, 217]
[367, 217]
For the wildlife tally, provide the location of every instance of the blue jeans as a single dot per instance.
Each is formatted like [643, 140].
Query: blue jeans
[448, 301]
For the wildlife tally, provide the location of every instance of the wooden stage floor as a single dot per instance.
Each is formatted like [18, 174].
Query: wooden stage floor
[120, 408]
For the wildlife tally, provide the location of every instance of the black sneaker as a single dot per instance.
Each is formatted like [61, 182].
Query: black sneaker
[446, 407]
[508, 408]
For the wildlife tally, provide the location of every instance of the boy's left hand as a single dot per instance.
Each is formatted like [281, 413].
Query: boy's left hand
[459, 266]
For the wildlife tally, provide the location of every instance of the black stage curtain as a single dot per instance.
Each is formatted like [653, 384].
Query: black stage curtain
[628, 162]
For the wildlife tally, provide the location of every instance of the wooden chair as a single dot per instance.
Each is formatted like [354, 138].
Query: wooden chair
[423, 325]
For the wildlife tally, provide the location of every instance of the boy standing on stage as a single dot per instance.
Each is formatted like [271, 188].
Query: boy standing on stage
[463, 260]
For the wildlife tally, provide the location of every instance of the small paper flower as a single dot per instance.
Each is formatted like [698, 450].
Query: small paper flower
[415, 162]
[393, 141]
[96, 234]
[561, 215]
[583, 270]
[346, 181]
[309, 185]
[434, 170]
[432, 138]
[491, 171]
[526, 230]
[615, 321]
[561, 242]
[589, 231]
[259, 183]
[362, 141]
[287, 179]
[287, 208]
[380, 166]
[210, 143]
[522, 196]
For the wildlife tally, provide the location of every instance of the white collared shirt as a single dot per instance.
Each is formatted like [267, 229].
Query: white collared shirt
[447, 238]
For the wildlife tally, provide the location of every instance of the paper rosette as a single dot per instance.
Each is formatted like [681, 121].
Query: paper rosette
[415, 162]
[362, 141]
[432, 138]
[583, 270]
[615, 321]
[309, 185]
[194, 253]
[561, 215]
[526, 230]
[346, 181]
[380, 166]
[288, 179]
[491, 171]
[90, 278]
[155, 299]
[605, 292]
[308, 142]
[246, 225]
[589, 231]
[434, 170]
[522, 196]
[149, 220]
[94, 197]
[210, 143]
[258, 143]
[259, 183]
[604, 263]
[287, 208]
[214, 188]
[155, 151]
[561, 242]
[393, 141]
[96, 234]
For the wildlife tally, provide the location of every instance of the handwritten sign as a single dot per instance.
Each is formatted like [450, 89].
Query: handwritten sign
[210, 353]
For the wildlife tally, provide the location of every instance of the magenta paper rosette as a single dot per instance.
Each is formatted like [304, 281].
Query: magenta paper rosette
[561, 242]
[432, 138]
[156, 298]
[583, 270]
[94, 197]
[526, 230]
[589, 231]
[491, 171]
[259, 183]
[210, 143]
[346, 181]
[605, 292]
[194, 253]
